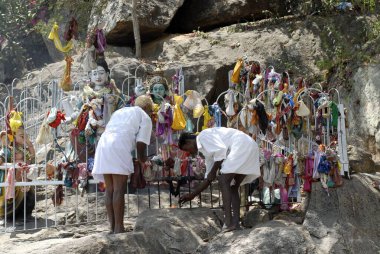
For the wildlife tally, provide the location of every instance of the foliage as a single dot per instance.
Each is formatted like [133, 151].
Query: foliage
[364, 5]
[62, 11]
[20, 18]
[16, 22]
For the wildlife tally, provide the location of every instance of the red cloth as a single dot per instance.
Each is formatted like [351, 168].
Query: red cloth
[60, 116]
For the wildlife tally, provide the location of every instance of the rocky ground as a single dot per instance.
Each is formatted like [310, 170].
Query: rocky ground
[343, 221]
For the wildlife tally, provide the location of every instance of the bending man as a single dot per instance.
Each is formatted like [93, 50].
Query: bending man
[236, 155]
[128, 128]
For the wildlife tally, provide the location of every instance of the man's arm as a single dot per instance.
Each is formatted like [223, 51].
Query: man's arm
[141, 154]
[203, 185]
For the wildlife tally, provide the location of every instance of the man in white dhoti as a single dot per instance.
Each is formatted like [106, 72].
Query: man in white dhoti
[128, 129]
[236, 155]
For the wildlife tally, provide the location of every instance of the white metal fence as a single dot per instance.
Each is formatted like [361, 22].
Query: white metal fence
[35, 208]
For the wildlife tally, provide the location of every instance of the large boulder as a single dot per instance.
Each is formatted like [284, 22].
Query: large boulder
[364, 118]
[345, 221]
[360, 160]
[178, 230]
[254, 217]
[116, 19]
[209, 14]
[270, 237]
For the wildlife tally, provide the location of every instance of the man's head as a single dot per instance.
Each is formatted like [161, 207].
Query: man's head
[145, 102]
[187, 142]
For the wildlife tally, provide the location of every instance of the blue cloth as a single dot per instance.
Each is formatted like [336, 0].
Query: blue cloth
[324, 166]
[217, 114]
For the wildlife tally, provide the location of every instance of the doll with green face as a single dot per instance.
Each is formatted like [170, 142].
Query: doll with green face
[158, 89]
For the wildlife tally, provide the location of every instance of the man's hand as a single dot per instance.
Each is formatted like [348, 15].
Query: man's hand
[185, 198]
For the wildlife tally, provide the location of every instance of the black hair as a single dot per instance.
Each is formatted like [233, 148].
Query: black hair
[102, 62]
[185, 136]
[263, 117]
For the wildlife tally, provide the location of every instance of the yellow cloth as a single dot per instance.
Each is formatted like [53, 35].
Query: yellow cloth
[179, 121]
[19, 197]
[206, 118]
[236, 74]
[288, 165]
[156, 107]
[57, 42]
[66, 80]
[15, 121]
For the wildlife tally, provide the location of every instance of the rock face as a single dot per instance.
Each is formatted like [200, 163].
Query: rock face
[365, 100]
[206, 58]
[116, 19]
[360, 160]
[158, 16]
[209, 14]
[347, 220]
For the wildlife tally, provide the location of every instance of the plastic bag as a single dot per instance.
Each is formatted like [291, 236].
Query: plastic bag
[179, 121]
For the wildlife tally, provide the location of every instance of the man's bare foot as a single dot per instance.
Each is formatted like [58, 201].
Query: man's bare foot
[231, 228]
[120, 230]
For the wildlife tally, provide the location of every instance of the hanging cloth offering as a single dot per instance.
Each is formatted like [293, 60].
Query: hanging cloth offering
[230, 98]
[206, 118]
[302, 110]
[72, 31]
[179, 121]
[58, 119]
[335, 114]
[164, 123]
[193, 101]
[57, 41]
[15, 121]
[100, 41]
[189, 125]
[245, 117]
[217, 114]
[236, 73]
[44, 136]
[66, 82]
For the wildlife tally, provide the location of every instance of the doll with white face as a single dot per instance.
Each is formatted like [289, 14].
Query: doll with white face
[99, 77]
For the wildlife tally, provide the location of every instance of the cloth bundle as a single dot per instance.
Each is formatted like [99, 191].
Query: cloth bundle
[179, 121]
[194, 102]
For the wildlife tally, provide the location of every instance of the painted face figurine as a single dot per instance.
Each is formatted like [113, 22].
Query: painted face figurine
[158, 89]
[99, 77]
